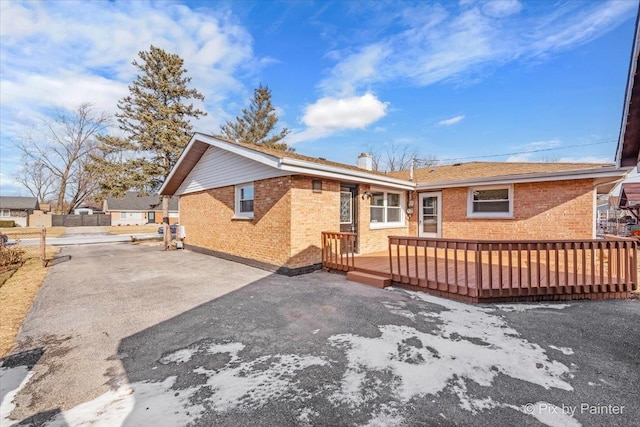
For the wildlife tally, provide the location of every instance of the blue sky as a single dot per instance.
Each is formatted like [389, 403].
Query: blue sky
[459, 81]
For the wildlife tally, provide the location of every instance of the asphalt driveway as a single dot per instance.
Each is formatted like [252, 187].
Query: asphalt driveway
[131, 335]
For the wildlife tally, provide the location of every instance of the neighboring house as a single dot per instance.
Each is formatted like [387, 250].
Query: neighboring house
[629, 199]
[268, 208]
[133, 209]
[628, 152]
[18, 209]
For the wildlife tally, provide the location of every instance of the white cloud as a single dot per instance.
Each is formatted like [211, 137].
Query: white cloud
[451, 121]
[67, 53]
[357, 69]
[61, 54]
[441, 44]
[329, 115]
[501, 8]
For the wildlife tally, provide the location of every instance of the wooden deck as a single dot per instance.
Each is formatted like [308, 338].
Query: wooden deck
[504, 271]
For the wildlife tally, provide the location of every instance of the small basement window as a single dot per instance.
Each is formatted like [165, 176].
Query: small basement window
[490, 202]
[244, 200]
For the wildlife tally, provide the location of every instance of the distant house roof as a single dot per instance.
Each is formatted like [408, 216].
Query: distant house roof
[18, 202]
[133, 202]
[627, 154]
[629, 196]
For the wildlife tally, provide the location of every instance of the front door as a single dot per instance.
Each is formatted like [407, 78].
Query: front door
[151, 217]
[348, 209]
[430, 215]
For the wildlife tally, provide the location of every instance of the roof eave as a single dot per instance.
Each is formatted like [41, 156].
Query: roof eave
[295, 166]
[328, 171]
[601, 172]
[628, 149]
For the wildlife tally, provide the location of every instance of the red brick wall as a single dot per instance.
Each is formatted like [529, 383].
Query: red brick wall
[543, 210]
[312, 213]
[374, 240]
[208, 220]
[288, 221]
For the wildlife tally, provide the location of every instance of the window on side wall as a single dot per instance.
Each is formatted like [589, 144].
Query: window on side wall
[490, 202]
[386, 209]
[244, 200]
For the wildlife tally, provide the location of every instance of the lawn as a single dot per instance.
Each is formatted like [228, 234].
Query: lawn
[18, 232]
[16, 297]
[134, 229]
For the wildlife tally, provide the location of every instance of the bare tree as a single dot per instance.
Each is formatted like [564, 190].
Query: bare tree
[396, 157]
[36, 178]
[62, 146]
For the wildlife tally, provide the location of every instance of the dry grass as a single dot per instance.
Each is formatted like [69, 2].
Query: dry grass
[17, 232]
[16, 297]
[134, 229]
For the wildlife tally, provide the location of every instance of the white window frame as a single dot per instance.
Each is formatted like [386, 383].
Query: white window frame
[385, 223]
[472, 214]
[238, 213]
[5, 213]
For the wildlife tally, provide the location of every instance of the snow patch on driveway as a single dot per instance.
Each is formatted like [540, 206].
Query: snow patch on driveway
[469, 343]
[253, 384]
[144, 403]
[12, 380]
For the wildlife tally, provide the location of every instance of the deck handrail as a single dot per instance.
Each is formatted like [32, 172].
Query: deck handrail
[499, 268]
[338, 250]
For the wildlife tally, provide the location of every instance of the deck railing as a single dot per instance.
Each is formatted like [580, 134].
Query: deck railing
[338, 250]
[490, 269]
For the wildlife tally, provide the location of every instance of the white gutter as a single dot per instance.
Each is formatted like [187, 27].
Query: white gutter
[601, 172]
[318, 169]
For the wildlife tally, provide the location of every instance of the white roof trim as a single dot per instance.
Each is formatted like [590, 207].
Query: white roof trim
[295, 166]
[600, 172]
[317, 169]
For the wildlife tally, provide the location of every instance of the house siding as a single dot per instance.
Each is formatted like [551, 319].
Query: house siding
[219, 168]
[543, 210]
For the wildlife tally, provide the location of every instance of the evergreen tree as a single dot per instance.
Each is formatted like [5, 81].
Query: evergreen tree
[256, 124]
[154, 120]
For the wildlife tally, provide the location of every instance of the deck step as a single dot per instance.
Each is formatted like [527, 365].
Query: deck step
[368, 279]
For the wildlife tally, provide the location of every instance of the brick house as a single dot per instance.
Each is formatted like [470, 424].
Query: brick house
[133, 209]
[268, 208]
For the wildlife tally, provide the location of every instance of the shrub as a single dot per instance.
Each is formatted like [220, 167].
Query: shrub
[10, 255]
[7, 223]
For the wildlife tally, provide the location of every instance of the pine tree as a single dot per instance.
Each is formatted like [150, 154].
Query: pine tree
[154, 120]
[256, 124]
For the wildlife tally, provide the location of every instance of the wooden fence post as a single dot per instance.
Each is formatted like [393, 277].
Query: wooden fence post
[43, 246]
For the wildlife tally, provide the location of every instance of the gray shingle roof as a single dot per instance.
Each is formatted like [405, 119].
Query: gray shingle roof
[132, 202]
[7, 202]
